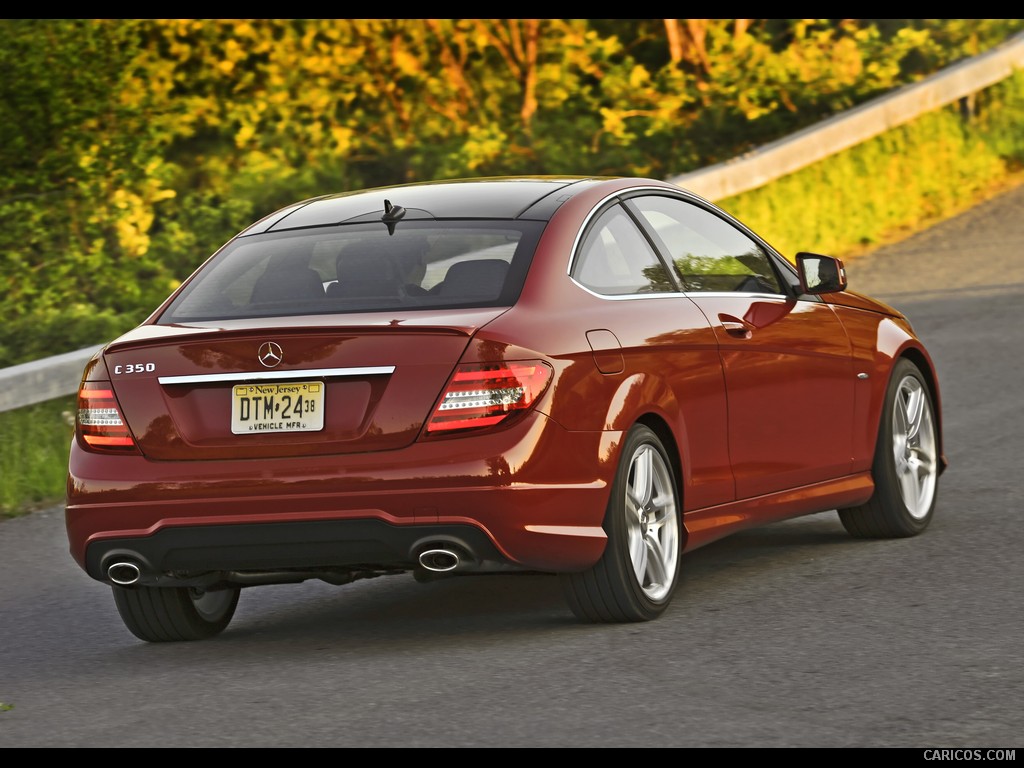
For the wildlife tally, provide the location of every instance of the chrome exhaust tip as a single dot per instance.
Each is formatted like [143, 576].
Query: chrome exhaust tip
[439, 560]
[124, 573]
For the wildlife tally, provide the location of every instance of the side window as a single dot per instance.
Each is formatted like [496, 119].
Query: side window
[616, 259]
[708, 253]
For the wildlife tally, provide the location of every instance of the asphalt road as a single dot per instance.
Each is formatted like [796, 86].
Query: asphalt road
[791, 636]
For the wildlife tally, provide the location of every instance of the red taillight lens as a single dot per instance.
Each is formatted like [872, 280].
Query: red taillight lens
[99, 423]
[485, 395]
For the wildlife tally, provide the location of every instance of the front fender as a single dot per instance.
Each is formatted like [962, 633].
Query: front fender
[894, 339]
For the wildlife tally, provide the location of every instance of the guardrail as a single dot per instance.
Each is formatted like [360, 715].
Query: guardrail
[45, 379]
[834, 134]
[57, 376]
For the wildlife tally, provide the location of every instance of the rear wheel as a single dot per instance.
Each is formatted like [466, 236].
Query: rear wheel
[906, 463]
[168, 614]
[636, 576]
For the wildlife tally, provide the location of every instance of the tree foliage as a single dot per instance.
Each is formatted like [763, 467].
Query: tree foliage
[132, 148]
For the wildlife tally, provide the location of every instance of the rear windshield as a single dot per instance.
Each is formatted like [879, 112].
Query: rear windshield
[361, 268]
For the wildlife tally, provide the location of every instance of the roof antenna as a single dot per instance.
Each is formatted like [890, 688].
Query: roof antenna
[392, 215]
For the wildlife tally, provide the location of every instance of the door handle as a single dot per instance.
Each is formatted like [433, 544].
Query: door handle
[735, 327]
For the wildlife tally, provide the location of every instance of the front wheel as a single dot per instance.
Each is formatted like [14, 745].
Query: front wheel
[168, 614]
[636, 576]
[906, 464]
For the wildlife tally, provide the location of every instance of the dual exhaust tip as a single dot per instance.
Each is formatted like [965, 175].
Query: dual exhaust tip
[439, 558]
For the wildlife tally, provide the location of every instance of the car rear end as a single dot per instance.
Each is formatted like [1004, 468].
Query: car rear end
[325, 402]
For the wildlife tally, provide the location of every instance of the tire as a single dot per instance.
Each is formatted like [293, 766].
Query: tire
[169, 614]
[637, 575]
[906, 463]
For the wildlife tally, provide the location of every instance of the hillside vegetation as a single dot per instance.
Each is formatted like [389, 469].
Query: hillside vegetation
[130, 149]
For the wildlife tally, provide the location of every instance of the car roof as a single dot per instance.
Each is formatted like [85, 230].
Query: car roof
[525, 197]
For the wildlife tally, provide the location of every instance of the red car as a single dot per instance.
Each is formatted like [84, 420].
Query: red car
[586, 377]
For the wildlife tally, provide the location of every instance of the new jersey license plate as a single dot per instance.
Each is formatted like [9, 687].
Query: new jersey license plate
[295, 406]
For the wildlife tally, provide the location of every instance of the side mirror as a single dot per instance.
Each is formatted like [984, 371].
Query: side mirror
[820, 274]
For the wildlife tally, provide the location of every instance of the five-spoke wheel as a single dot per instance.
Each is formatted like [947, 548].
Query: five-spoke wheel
[635, 578]
[907, 462]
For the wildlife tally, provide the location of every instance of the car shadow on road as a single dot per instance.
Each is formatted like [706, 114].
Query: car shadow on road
[393, 611]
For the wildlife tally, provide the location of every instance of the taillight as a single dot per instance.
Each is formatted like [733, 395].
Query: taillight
[100, 423]
[485, 395]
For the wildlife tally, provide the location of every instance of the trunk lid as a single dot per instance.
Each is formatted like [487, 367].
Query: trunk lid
[365, 383]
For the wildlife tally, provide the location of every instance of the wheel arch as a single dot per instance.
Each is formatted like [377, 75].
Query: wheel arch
[895, 340]
[648, 400]
[657, 424]
[924, 364]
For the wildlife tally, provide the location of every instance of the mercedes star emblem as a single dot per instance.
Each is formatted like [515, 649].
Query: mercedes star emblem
[270, 354]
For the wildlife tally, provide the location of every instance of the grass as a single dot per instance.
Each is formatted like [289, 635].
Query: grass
[34, 443]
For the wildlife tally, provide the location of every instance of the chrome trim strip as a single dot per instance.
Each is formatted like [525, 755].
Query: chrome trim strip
[315, 373]
[694, 295]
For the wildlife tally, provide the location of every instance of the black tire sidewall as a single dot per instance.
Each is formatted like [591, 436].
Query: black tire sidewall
[619, 562]
[884, 466]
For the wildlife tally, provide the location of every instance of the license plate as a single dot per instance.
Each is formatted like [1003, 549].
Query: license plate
[295, 406]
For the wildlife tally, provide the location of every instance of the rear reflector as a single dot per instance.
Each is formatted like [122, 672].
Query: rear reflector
[100, 425]
[485, 395]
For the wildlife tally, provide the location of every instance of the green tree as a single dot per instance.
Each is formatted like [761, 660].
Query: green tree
[131, 148]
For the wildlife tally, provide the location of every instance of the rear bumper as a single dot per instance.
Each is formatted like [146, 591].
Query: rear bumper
[530, 497]
[279, 552]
